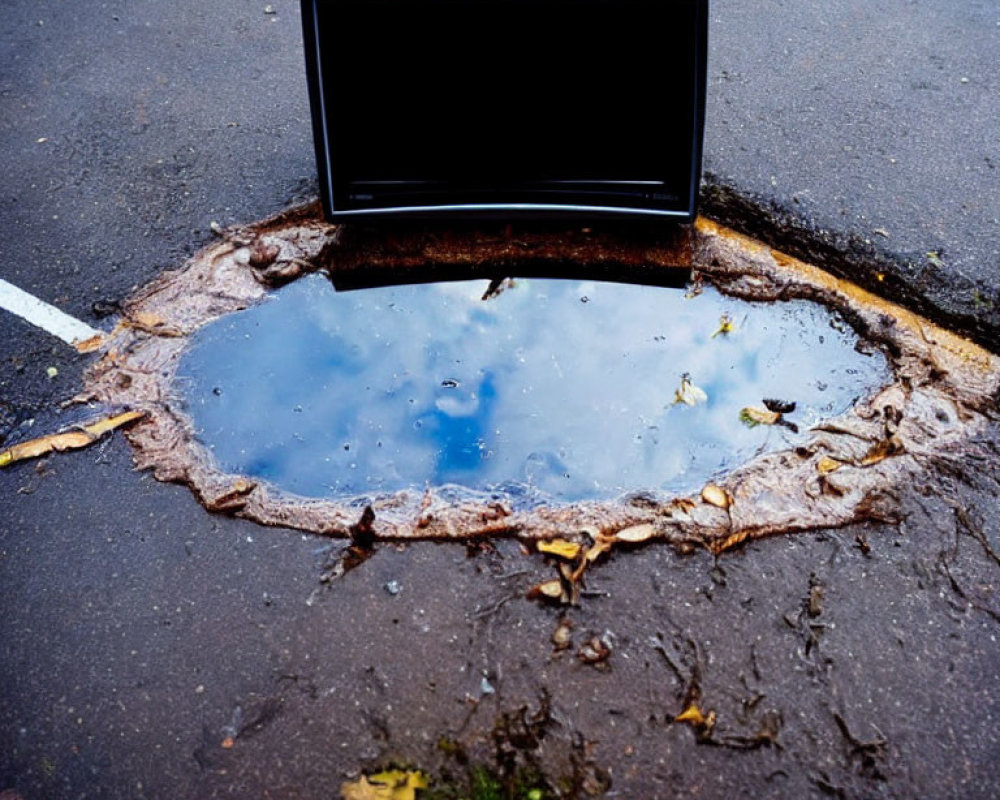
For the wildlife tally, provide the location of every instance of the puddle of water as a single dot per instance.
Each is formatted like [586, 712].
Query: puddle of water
[553, 391]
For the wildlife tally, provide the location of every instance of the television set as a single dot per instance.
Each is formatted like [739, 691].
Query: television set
[507, 107]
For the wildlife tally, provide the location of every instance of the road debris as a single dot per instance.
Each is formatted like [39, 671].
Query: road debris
[688, 393]
[389, 785]
[80, 436]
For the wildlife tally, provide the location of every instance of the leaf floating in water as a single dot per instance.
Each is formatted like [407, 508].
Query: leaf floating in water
[715, 495]
[688, 393]
[779, 406]
[752, 417]
[726, 326]
[560, 548]
[68, 440]
[393, 784]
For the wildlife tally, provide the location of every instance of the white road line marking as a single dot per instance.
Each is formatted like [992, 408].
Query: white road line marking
[45, 316]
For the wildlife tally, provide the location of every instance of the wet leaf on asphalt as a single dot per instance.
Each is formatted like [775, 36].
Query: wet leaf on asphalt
[548, 590]
[595, 651]
[752, 416]
[561, 548]
[562, 636]
[715, 495]
[389, 785]
[688, 393]
[67, 440]
[691, 714]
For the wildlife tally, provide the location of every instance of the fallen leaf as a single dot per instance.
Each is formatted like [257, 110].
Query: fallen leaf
[146, 319]
[684, 505]
[688, 393]
[562, 636]
[826, 465]
[726, 326]
[595, 651]
[881, 451]
[560, 548]
[597, 549]
[636, 533]
[548, 590]
[691, 714]
[68, 440]
[752, 417]
[89, 345]
[390, 785]
[715, 495]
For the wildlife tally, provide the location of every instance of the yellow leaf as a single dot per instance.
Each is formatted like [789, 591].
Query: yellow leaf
[758, 416]
[691, 714]
[68, 440]
[826, 465]
[636, 533]
[726, 326]
[560, 548]
[715, 495]
[390, 785]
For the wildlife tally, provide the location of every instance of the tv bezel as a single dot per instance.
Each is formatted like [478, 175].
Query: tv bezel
[337, 208]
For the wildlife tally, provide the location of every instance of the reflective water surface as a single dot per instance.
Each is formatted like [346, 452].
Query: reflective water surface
[554, 390]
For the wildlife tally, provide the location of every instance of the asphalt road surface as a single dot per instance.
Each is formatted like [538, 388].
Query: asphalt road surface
[142, 636]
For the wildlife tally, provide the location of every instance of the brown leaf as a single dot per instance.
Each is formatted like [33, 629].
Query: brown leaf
[68, 440]
[881, 451]
[89, 345]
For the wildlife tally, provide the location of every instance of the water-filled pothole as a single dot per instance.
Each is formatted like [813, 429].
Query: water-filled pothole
[550, 391]
[842, 466]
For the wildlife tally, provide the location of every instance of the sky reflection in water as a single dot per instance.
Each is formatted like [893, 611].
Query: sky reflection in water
[556, 390]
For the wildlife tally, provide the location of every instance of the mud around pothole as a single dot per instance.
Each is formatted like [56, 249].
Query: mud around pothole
[840, 467]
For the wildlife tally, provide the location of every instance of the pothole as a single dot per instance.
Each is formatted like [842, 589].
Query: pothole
[543, 391]
[604, 385]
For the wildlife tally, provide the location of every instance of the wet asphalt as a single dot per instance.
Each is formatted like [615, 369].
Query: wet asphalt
[139, 632]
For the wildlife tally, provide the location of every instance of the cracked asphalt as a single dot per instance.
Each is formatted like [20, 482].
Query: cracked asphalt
[139, 632]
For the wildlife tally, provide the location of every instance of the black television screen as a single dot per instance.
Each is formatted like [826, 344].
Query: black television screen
[507, 105]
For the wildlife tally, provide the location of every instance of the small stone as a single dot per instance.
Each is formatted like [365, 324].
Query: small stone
[393, 587]
[270, 10]
[51, 372]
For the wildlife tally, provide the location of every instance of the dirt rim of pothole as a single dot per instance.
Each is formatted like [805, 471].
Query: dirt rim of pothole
[935, 402]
